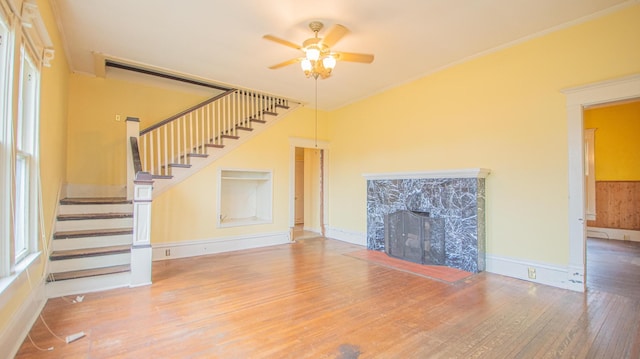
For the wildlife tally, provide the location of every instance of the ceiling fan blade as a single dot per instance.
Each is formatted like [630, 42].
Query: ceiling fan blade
[283, 64]
[282, 41]
[354, 57]
[335, 33]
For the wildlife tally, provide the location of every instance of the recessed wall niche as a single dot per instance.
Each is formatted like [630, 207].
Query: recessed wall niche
[245, 197]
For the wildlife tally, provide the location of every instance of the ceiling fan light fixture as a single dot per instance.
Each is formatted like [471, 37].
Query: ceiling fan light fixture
[319, 60]
[306, 65]
[313, 53]
[329, 62]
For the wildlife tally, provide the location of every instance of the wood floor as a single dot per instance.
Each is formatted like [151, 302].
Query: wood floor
[309, 300]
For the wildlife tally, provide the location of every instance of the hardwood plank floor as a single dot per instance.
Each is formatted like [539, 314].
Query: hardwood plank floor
[309, 300]
[613, 266]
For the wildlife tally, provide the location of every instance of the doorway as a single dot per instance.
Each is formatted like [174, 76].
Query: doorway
[307, 191]
[577, 99]
[612, 146]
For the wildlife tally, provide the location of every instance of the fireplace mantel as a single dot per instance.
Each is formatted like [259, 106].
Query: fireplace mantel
[454, 173]
[456, 196]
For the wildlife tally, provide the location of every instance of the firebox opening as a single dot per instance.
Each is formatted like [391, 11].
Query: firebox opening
[415, 236]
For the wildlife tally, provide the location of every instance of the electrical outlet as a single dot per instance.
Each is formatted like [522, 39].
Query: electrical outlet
[532, 273]
[117, 117]
[167, 252]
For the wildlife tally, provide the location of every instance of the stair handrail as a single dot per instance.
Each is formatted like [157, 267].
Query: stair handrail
[182, 113]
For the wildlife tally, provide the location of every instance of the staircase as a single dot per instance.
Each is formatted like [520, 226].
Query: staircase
[91, 246]
[180, 146]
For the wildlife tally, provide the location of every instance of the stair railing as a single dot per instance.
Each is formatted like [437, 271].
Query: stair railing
[170, 142]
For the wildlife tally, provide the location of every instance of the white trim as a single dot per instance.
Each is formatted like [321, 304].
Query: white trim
[217, 245]
[577, 98]
[453, 173]
[348, 236]
[140, 266]
[613, 233]
[100, 283]
[25, 316]
[548, 274]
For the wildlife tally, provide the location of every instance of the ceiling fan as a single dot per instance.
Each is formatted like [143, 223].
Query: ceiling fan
[319, 60]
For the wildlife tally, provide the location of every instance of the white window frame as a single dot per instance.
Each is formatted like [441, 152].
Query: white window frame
[25, 47]
[25, 208]
[6, 131]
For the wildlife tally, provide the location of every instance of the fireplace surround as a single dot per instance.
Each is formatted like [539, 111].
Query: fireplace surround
[454, 197]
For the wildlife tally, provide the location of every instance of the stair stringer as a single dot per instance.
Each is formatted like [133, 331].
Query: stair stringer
[179, 174]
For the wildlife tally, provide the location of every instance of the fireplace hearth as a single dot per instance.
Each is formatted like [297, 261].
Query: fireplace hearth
[415, 237]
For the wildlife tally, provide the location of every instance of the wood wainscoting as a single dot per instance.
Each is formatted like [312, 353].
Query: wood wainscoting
[617, 205]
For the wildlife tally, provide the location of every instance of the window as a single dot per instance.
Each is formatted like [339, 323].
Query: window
[25, 205]
[5, 147]
[24, 48]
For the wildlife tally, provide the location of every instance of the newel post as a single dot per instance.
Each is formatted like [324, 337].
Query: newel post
[141, 254]
[133, 130]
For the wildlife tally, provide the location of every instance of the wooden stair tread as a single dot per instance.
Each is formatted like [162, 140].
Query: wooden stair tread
[111, 215]
[230, 136]
[92, 233]
[162, 177]
[202, 155]
[243, 128]
[272, 113]
[282, 106]
[95, 200]
[89, 252]
[214, 145]
[88, 273]
[257, 120]
[179, 165]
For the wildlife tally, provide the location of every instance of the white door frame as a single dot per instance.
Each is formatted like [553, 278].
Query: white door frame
[577, 99]
[307, 143]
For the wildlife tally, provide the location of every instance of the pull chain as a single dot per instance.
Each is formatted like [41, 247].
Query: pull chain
[316, 130]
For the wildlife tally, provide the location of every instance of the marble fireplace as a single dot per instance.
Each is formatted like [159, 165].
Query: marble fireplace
[452, 204]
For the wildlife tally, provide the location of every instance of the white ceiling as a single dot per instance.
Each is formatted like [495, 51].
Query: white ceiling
[221, 40]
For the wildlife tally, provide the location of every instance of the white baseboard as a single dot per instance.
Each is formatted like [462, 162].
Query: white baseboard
[22, 320]
[548, 274]
[613, 233]
[93, 190]
[312, 229]
[358, 238]
[163, 251]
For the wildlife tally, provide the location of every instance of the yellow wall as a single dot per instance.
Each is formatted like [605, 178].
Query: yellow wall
[617, 141]
[97, 146]
[53, 123]
[188, 211]
[503, 111]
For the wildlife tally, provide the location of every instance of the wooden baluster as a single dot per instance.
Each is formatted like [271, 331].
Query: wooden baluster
[183, 129]
[219, 122]
[165, 149]
[172, 140]
[159, 154]
[143, 156]
[151, 154]
[194, 146]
